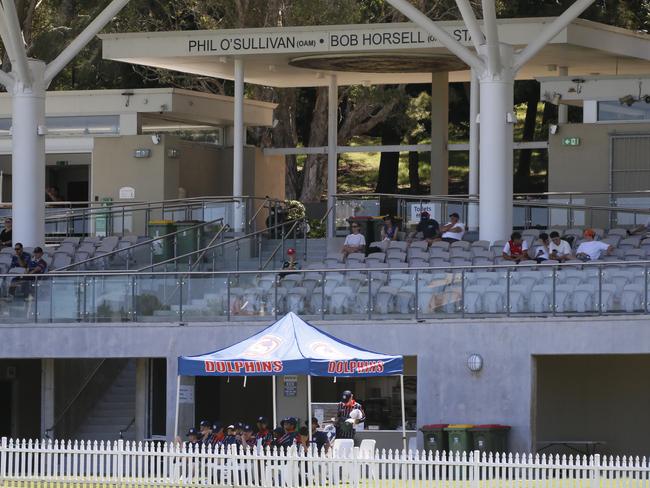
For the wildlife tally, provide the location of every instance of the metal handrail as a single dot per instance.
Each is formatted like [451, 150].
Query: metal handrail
[126, 429]
[141, 244]
[280, 244]
[89, 378]
[252, 219]
[548, 193]
[228, 242]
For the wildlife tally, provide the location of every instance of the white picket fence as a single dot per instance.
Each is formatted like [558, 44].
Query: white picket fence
[122, 463]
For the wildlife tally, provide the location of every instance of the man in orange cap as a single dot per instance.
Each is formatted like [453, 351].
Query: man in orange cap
[590, 249]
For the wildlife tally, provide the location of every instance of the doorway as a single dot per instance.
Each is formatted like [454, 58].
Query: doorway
[6, 403]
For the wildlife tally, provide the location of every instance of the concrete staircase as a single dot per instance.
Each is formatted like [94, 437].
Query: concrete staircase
[114, 409]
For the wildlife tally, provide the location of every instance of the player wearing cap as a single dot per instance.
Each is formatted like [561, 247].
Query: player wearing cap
[205, 429]
[345, 420]
[247, 439]
[230, 438]
[217, 434]
[193, 439]
[290, 436]
[264, 437]
[319, 438]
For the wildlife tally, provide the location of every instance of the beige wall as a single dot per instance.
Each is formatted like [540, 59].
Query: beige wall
[584, 167]
[603, 398]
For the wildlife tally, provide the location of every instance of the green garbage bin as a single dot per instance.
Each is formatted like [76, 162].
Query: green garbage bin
[435, 439]
[459, 437]
[189, 237]
[161, 249]
[490, 437]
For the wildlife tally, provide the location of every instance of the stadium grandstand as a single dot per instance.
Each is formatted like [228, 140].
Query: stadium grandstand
[173, 245]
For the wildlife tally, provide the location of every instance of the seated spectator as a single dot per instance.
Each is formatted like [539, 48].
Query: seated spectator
[560, 250]
[388, 230]
[35, 265]
[291, 263]
[639, 229]
[5, 235]
[21, 258]
[590, 249]
[542, 253]
[428, 229]
[354, 242]
[454, 230]
[515, 249]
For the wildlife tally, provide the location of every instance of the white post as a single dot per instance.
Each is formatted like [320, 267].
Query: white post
[472, 214]
[238, 146]
[309, 402]
[496, 148]
[563, 108]
[178, 401]
[28, 158]
[332, 158]
[401, 387]
[275, 404]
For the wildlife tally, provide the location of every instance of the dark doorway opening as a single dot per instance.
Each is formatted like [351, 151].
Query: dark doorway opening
[6, 402]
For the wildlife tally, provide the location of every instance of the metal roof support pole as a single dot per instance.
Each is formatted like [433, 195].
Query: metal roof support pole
[472, 218]
[238, 146]
[492, 37]
[28, 158]
[496, 149]
[470, 21]
[332, 157]
[13, 40]
[550, 31]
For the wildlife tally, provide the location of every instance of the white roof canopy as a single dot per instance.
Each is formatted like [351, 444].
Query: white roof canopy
[372, 53]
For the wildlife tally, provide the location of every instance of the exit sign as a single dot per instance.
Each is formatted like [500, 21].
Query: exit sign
[571, 141]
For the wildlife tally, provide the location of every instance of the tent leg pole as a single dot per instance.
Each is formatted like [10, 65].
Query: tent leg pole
[275, 408]
[178, 400]
[401, 387]
[309, 402]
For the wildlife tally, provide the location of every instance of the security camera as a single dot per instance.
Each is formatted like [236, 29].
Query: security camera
[627, 100]
[155, 139]
[646, 98]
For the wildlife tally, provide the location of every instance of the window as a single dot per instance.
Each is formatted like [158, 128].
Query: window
[614, 110]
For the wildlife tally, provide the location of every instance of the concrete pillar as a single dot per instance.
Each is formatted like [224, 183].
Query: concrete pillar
[496, 149]
[28, 158]
[172, 375]
[47, 397]
[563, 109]
[439, 133]
[472, 214]
[332, 156]
[141, 396]
[292, 406]
[238, 146]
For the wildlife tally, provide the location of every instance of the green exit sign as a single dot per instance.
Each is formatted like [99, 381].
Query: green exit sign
[570, 141]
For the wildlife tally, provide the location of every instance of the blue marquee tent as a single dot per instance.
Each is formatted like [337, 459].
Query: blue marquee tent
[292, 346]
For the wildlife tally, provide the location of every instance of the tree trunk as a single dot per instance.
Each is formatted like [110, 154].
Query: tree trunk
[389, 162]
[314, 180]
[414, 172]
[522, 175]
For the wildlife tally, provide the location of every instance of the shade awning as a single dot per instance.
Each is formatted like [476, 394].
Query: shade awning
[291, 346]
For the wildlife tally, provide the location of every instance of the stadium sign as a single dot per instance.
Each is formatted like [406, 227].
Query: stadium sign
[305, 41]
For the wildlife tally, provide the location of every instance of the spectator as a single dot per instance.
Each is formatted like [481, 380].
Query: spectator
[52, 194]
[35, 265]
[454, 230]
[427, 229]
[193, 439]
[205, 427]
[354, 242]
[247, 439]
[291, 436]
[20, 259]
[230, 439]
[560, 250]
[515, 249]
[640, 229]
[291, 263]
[388, 230]
[278, 432]
[303, 438]
[319, 438]
[5, 235]
[542, 253]
[590, 249]
[264, 437]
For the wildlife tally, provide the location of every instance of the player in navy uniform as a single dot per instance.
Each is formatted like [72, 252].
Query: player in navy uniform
[291, 436]
[344, 424]
[205, 428]
[193, 439]
[319, 439]
[230, 439]
[264, 437]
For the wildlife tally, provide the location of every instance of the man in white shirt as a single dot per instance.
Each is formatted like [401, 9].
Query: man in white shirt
[355, 242]
[454, 230]
[591, 250]
[560, 250]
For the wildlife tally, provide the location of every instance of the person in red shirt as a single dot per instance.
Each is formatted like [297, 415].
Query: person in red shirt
[264, 436]
[345, 428]
[516, 249]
